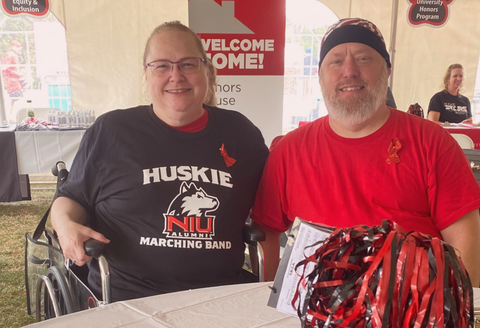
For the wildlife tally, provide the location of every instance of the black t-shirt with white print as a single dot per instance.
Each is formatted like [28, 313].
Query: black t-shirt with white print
[452, 109]
[171, 206]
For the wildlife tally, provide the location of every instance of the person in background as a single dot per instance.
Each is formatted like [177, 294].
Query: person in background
[167, 186]
[12, 76]
[365, 162]
[449, 105]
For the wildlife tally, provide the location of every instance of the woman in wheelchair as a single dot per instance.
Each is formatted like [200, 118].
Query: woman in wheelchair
[167, 186]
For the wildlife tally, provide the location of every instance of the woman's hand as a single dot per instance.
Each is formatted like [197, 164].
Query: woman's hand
[72, 236]
[69, 219]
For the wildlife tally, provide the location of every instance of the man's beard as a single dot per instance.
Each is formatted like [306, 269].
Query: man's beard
[356, 109]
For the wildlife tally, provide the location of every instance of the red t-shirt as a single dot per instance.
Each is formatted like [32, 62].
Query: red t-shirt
[318, 176]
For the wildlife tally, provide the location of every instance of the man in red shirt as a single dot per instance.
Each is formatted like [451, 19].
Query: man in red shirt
[11, 74]
[366, 162]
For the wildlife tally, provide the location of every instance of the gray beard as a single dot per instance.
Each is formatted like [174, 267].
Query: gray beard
[357, 109]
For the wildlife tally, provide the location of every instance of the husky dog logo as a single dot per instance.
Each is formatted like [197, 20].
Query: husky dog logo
[187, 214]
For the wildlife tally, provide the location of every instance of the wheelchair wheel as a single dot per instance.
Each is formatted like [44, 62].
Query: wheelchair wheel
[61, 293]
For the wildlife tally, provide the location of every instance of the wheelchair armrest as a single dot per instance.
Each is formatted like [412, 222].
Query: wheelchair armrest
[253, 234]
[97, 250]
[94, 248]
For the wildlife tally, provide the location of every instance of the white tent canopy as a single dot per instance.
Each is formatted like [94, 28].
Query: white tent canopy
[105, 44]
[422, 54]
[106, 39]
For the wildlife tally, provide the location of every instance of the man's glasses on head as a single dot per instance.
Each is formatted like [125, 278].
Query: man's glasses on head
[186, 66]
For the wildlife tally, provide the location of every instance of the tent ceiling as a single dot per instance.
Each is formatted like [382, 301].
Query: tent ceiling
[105, 44]
[422, 53]
[421, 58]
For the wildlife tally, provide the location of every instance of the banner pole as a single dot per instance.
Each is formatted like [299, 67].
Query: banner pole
[393, 40]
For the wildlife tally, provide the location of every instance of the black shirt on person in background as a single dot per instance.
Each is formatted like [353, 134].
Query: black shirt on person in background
[452, 109]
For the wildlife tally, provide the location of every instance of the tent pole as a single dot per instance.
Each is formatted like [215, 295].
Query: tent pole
[393, 39]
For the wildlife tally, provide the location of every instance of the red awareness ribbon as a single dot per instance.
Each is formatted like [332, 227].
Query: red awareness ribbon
[228, 160]
[393, 149]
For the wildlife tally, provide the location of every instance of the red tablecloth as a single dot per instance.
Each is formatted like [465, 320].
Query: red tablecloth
[473, 131]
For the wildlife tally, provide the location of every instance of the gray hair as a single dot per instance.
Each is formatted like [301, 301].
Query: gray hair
[174, 26]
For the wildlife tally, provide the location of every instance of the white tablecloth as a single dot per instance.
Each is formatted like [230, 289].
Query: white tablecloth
[38, 151]
[235, 306]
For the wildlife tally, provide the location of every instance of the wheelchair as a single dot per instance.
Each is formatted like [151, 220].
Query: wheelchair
[55, 286]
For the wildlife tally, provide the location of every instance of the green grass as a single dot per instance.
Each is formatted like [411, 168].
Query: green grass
[16, 219]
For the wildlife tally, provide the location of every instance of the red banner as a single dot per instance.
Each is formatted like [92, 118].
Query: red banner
[242, 37]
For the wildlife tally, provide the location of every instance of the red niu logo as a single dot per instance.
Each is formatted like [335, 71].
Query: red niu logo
[190, 224]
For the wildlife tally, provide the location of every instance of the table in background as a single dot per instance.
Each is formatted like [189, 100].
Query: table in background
[473, 131]
[240, 306]
[30, 152]
[38, 151]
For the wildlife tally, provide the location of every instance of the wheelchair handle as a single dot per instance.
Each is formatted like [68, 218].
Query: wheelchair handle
[61, 172]
[97, 249]
[94, 248]
[253, 235]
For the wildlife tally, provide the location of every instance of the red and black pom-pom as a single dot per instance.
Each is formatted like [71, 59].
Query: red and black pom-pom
[381, 277]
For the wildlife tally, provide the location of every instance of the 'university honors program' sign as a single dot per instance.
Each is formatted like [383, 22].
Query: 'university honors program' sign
[428, 12]
[26, 7]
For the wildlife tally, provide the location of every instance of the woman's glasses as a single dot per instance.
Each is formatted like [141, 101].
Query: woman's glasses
[186, 66]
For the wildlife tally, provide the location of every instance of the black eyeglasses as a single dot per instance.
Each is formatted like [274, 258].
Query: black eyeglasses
[186, 65]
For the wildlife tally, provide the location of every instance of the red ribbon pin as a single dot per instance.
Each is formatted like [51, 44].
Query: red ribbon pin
[228, 160]
[393, 149]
